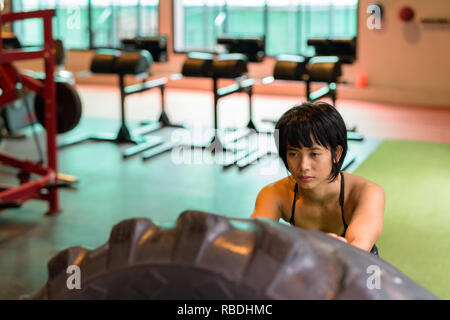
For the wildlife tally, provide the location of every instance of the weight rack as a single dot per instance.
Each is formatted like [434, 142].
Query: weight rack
[46, 187]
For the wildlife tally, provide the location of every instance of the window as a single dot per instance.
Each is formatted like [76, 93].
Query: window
[86, 24]
[285, 24]
[113, 20]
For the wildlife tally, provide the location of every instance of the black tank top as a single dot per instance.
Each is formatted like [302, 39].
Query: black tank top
[341, 204]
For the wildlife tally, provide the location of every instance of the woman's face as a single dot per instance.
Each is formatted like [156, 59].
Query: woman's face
[309, 166]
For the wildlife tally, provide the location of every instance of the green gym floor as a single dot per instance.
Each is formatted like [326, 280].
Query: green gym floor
[415, 175]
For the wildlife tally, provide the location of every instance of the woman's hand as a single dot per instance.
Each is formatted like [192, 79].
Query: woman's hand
[338, 237]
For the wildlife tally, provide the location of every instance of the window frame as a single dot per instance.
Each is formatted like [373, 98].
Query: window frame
[90, 41]
[265, 28]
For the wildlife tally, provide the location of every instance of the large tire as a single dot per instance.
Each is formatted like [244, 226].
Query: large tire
[208, 256]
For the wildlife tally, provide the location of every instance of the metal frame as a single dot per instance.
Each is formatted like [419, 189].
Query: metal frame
[45, 187]
[216, 144]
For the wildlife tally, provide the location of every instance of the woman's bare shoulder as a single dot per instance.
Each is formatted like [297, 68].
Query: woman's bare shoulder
[271, 199]
[357, 184]
[282, 187]
[357, 180]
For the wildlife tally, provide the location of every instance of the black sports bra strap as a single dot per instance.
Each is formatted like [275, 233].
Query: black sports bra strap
[341, 201]
[293, 205]
[342, 191]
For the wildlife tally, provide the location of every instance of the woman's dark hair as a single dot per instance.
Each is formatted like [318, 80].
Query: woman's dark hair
[322, 122]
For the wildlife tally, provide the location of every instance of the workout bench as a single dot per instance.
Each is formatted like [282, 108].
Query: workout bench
[122, 63]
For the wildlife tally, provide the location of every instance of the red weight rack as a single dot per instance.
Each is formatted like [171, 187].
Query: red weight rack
[43, 188]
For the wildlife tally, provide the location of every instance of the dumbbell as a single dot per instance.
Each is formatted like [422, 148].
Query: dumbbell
[226, 65]
[157, 46]
[324, 69]
[230, 65]
[252, 48]
[198, 64]
[290, 67]
[108, 61]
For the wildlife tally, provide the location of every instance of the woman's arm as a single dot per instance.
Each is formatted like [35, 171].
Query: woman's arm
[267, 204]
[367, 221]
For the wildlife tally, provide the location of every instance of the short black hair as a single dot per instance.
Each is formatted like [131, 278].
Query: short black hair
[322, 122]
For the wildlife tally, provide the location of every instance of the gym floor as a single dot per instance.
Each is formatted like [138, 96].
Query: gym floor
[111, 189]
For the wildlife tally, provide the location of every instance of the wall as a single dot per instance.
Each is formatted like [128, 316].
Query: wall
[405, 63]
[409, 61]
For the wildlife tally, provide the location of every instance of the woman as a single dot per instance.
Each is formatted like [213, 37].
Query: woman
[317, 195]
